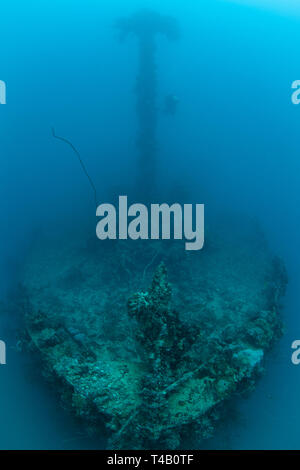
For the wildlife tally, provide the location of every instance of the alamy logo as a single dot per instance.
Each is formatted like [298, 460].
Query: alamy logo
[161, 221]
[2, 353]
[2, 92]
[296, 354]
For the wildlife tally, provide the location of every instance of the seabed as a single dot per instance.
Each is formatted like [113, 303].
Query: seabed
[148, 341]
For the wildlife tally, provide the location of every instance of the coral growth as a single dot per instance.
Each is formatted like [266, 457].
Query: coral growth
[159, 364]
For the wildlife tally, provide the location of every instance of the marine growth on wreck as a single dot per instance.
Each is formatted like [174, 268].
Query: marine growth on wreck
[142, 338]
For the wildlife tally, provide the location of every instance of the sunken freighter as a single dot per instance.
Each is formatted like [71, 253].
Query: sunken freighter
[143, 338]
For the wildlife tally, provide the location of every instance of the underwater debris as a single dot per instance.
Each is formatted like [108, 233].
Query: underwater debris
[153, 353]
[155, 364]
[81, 163]
[164, 340]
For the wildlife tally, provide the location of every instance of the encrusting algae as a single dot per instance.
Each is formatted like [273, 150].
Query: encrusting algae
[153, 364]
[140, 336]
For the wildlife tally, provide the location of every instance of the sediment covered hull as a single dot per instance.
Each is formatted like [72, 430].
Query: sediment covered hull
[151, 340]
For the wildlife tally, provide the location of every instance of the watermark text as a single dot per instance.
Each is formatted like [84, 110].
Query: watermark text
[2, 92]
[159, 221]
[2, 353]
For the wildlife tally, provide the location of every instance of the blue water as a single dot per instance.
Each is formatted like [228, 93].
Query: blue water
[234, 142]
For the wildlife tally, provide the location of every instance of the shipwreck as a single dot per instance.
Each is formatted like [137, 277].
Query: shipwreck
[141, 339]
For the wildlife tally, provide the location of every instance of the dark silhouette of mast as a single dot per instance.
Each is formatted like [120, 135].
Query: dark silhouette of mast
[146, 25]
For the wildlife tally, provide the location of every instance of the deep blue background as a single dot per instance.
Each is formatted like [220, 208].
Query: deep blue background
[234, 143]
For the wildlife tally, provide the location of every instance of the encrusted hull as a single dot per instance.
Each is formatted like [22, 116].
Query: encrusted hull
[153, 367]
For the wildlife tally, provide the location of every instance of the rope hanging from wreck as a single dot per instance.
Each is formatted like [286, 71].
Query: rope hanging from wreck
[81, 163]
[149, 264]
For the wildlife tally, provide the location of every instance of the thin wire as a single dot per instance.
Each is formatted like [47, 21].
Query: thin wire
[81, 163]
[149, 264]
